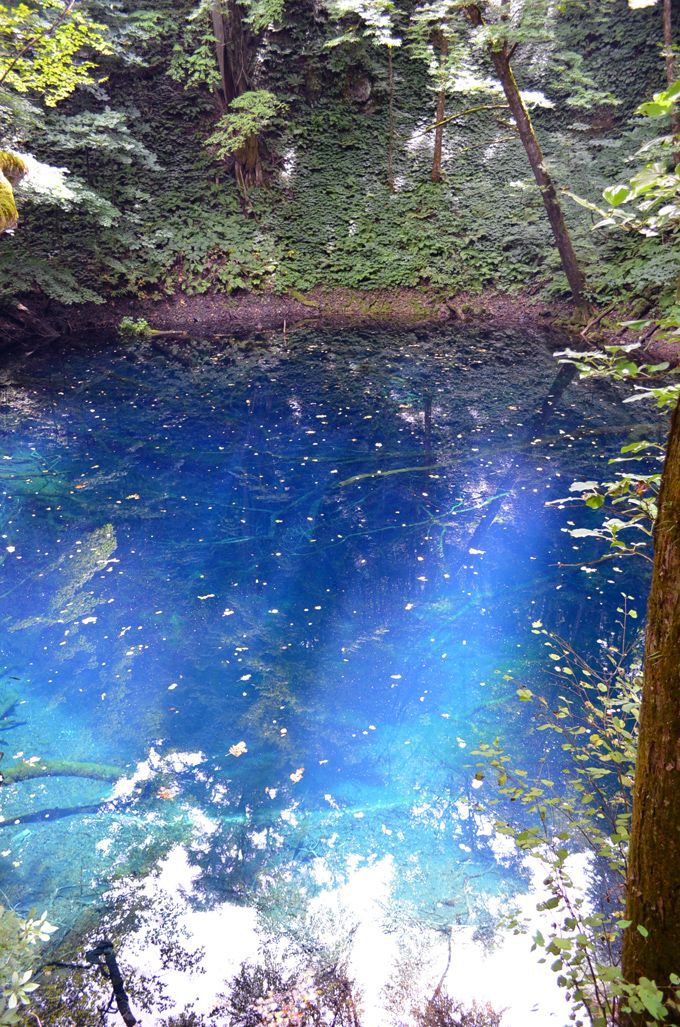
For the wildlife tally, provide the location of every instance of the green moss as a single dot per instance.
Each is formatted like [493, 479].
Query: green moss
[12, 166]
[12, 170]
[8, 208]
[301, 298]
[59, 768]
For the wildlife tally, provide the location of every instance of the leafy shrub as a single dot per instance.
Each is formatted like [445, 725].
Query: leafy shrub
[131, 327]
[19, 938]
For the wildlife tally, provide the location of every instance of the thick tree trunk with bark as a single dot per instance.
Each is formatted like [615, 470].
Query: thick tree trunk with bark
[503, 67]
[653, 886]
[236, 51]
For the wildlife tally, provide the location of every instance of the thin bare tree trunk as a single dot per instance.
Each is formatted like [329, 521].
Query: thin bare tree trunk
[653, 885]
[503, 67]
[669, 57]
[440, 41]
[390, 120]
[572, 270]
[439, 137]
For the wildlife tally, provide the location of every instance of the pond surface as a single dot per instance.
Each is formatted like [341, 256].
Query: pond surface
[286, 585]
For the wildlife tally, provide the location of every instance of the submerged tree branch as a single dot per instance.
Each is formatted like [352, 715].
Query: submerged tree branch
[59, 768]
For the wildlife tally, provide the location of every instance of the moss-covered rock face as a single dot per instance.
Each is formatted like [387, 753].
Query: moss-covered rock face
[12, 170]
[12, 166]
[8, 208]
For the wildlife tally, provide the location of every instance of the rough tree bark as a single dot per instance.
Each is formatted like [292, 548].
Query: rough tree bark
[653, 885]
[236, 50]
[501, 59]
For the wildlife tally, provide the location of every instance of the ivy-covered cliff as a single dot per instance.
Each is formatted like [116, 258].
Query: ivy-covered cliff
[258, 145]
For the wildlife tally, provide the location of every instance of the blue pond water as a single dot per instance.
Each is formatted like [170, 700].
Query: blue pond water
[323, 552]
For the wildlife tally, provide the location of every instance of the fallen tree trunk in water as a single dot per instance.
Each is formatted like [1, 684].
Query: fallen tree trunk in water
[59, 768]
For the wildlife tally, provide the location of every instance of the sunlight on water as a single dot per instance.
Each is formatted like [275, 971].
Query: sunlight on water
[282, 588]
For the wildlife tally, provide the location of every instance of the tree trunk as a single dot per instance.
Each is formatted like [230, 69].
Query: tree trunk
[235, 51]
[575, 276]
[669, 56]
[439, 137]
[503, 68]
[59, 768]
[248, 164]
[439, 40]
[390, 120]
[653, 885]
[94, 956]
[668, 41]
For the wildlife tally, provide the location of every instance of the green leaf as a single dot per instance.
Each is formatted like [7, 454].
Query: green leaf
[615, 195]
[651, 998]
[636, 326]
[652, 109]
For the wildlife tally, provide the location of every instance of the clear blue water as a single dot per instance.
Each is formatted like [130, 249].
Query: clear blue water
[329, 547]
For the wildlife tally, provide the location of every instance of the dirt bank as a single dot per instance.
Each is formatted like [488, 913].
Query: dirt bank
[220, 314]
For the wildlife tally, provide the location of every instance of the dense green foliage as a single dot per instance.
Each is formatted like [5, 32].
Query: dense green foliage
[140, 195]
[19, 939]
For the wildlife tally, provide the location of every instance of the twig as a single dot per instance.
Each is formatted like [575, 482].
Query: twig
[437, 990]
[596, 320]
[462, 114]
[34, 39]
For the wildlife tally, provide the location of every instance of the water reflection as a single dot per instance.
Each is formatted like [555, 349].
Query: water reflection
[285, 586]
